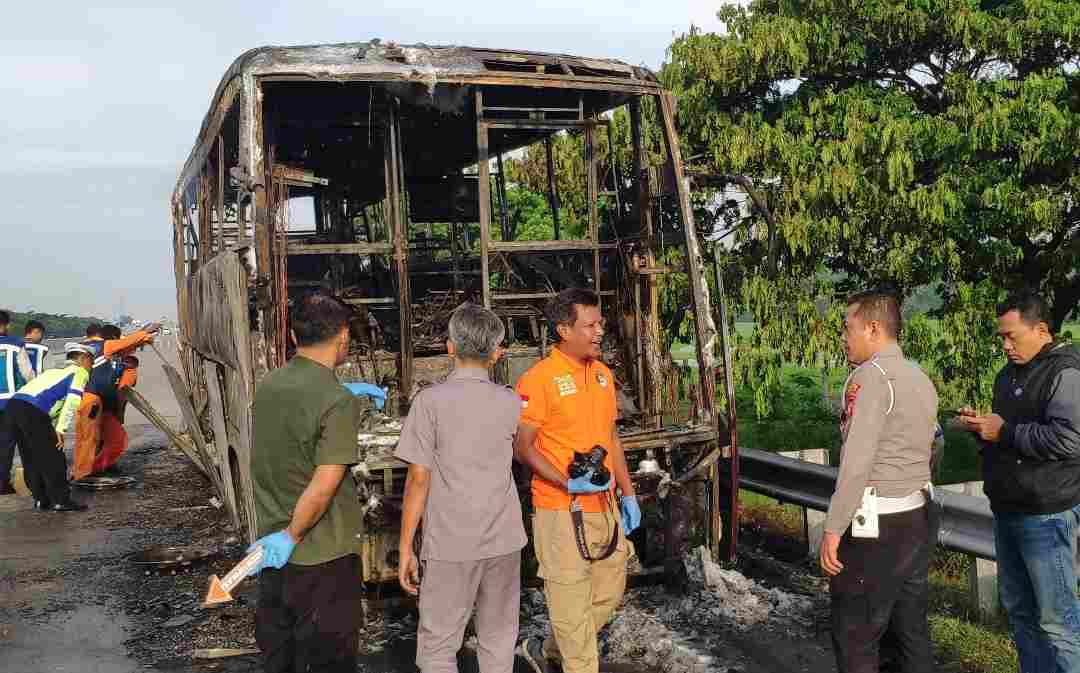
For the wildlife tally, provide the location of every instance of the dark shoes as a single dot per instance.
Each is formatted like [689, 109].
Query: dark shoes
[68, 505]
[532, 651]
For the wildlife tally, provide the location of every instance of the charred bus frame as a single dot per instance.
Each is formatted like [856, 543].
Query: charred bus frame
[387, 140]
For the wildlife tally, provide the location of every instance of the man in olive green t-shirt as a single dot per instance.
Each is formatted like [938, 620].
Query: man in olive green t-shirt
[306, 505]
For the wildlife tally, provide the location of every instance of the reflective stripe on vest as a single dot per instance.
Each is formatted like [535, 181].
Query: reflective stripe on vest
[9, 355]
[37, 353]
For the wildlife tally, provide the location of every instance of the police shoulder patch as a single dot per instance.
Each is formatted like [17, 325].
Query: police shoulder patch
[850, 395]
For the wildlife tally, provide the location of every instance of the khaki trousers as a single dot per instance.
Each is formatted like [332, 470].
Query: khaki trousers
[448, 593]
[582, 596]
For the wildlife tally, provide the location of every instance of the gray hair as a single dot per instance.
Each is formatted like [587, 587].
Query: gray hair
[475, 332]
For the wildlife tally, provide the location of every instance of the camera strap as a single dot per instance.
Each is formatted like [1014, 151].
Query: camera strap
[578, 520]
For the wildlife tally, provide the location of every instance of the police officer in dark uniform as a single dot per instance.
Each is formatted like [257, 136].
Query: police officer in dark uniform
[878, 533]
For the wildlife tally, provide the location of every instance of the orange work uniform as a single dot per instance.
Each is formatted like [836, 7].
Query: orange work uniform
[114, 438]
[573, 406]
[88, 420]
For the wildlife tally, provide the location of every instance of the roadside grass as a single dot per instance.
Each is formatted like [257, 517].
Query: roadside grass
[963, 644]
[801, 418]
[966, 646]
[802, 421]
[971, 645]
[804, 418]
[763, 511]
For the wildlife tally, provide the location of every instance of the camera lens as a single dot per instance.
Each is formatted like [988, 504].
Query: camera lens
[580, 465]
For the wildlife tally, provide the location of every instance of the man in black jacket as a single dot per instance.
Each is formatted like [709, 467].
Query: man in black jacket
[1031, 468]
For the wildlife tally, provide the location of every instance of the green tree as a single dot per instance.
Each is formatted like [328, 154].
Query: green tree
[568, 155]
[529, 214]
[901, 141]
[56, 326]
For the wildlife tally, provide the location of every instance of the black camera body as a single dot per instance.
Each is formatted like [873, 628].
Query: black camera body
[593, 460]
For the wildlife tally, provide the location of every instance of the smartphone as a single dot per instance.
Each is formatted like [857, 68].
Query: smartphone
[955, 419]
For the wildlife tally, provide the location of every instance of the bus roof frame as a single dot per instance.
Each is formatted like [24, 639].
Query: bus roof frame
[376, 61]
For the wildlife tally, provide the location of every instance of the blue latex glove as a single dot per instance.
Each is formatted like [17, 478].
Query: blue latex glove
[631, 513]
[583, 485]
[374, 392]
[277, 548]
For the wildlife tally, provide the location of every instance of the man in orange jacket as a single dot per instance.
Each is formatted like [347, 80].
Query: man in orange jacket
[579, 526]
[114, 438]
[90, 419]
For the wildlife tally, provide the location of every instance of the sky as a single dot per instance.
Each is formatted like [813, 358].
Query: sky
[101, 105]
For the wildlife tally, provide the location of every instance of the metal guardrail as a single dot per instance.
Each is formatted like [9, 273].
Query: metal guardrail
[967, 524]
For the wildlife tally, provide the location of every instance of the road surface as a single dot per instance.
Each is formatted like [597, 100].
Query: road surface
[72, 600]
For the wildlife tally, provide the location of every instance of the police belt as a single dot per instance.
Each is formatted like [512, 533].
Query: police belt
[578, 520]
[906, 504]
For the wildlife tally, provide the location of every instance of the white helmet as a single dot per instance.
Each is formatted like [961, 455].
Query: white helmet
[74, 347]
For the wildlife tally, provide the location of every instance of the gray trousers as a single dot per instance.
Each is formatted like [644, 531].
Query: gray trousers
[447, 595]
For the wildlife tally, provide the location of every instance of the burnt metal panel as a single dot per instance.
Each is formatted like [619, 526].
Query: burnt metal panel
[449, 200]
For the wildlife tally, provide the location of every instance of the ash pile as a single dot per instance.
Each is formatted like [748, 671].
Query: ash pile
[656, 630]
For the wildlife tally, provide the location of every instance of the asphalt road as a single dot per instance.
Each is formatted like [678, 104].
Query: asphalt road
[72, 600]
[59, 608]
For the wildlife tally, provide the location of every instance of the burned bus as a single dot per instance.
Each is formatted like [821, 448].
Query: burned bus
[376, 172]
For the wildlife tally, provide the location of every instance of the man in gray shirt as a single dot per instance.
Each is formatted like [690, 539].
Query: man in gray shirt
[458, 439]
[879, 577]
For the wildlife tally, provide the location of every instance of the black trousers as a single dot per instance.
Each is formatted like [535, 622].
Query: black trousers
[7, 451]
[308, 617]
[884, 589]
[44, 465]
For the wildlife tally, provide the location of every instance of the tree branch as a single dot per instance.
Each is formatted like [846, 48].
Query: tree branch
[1066, 298]
[762, 204]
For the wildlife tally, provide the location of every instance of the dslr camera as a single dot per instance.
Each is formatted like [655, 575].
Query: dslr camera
[593, 460]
